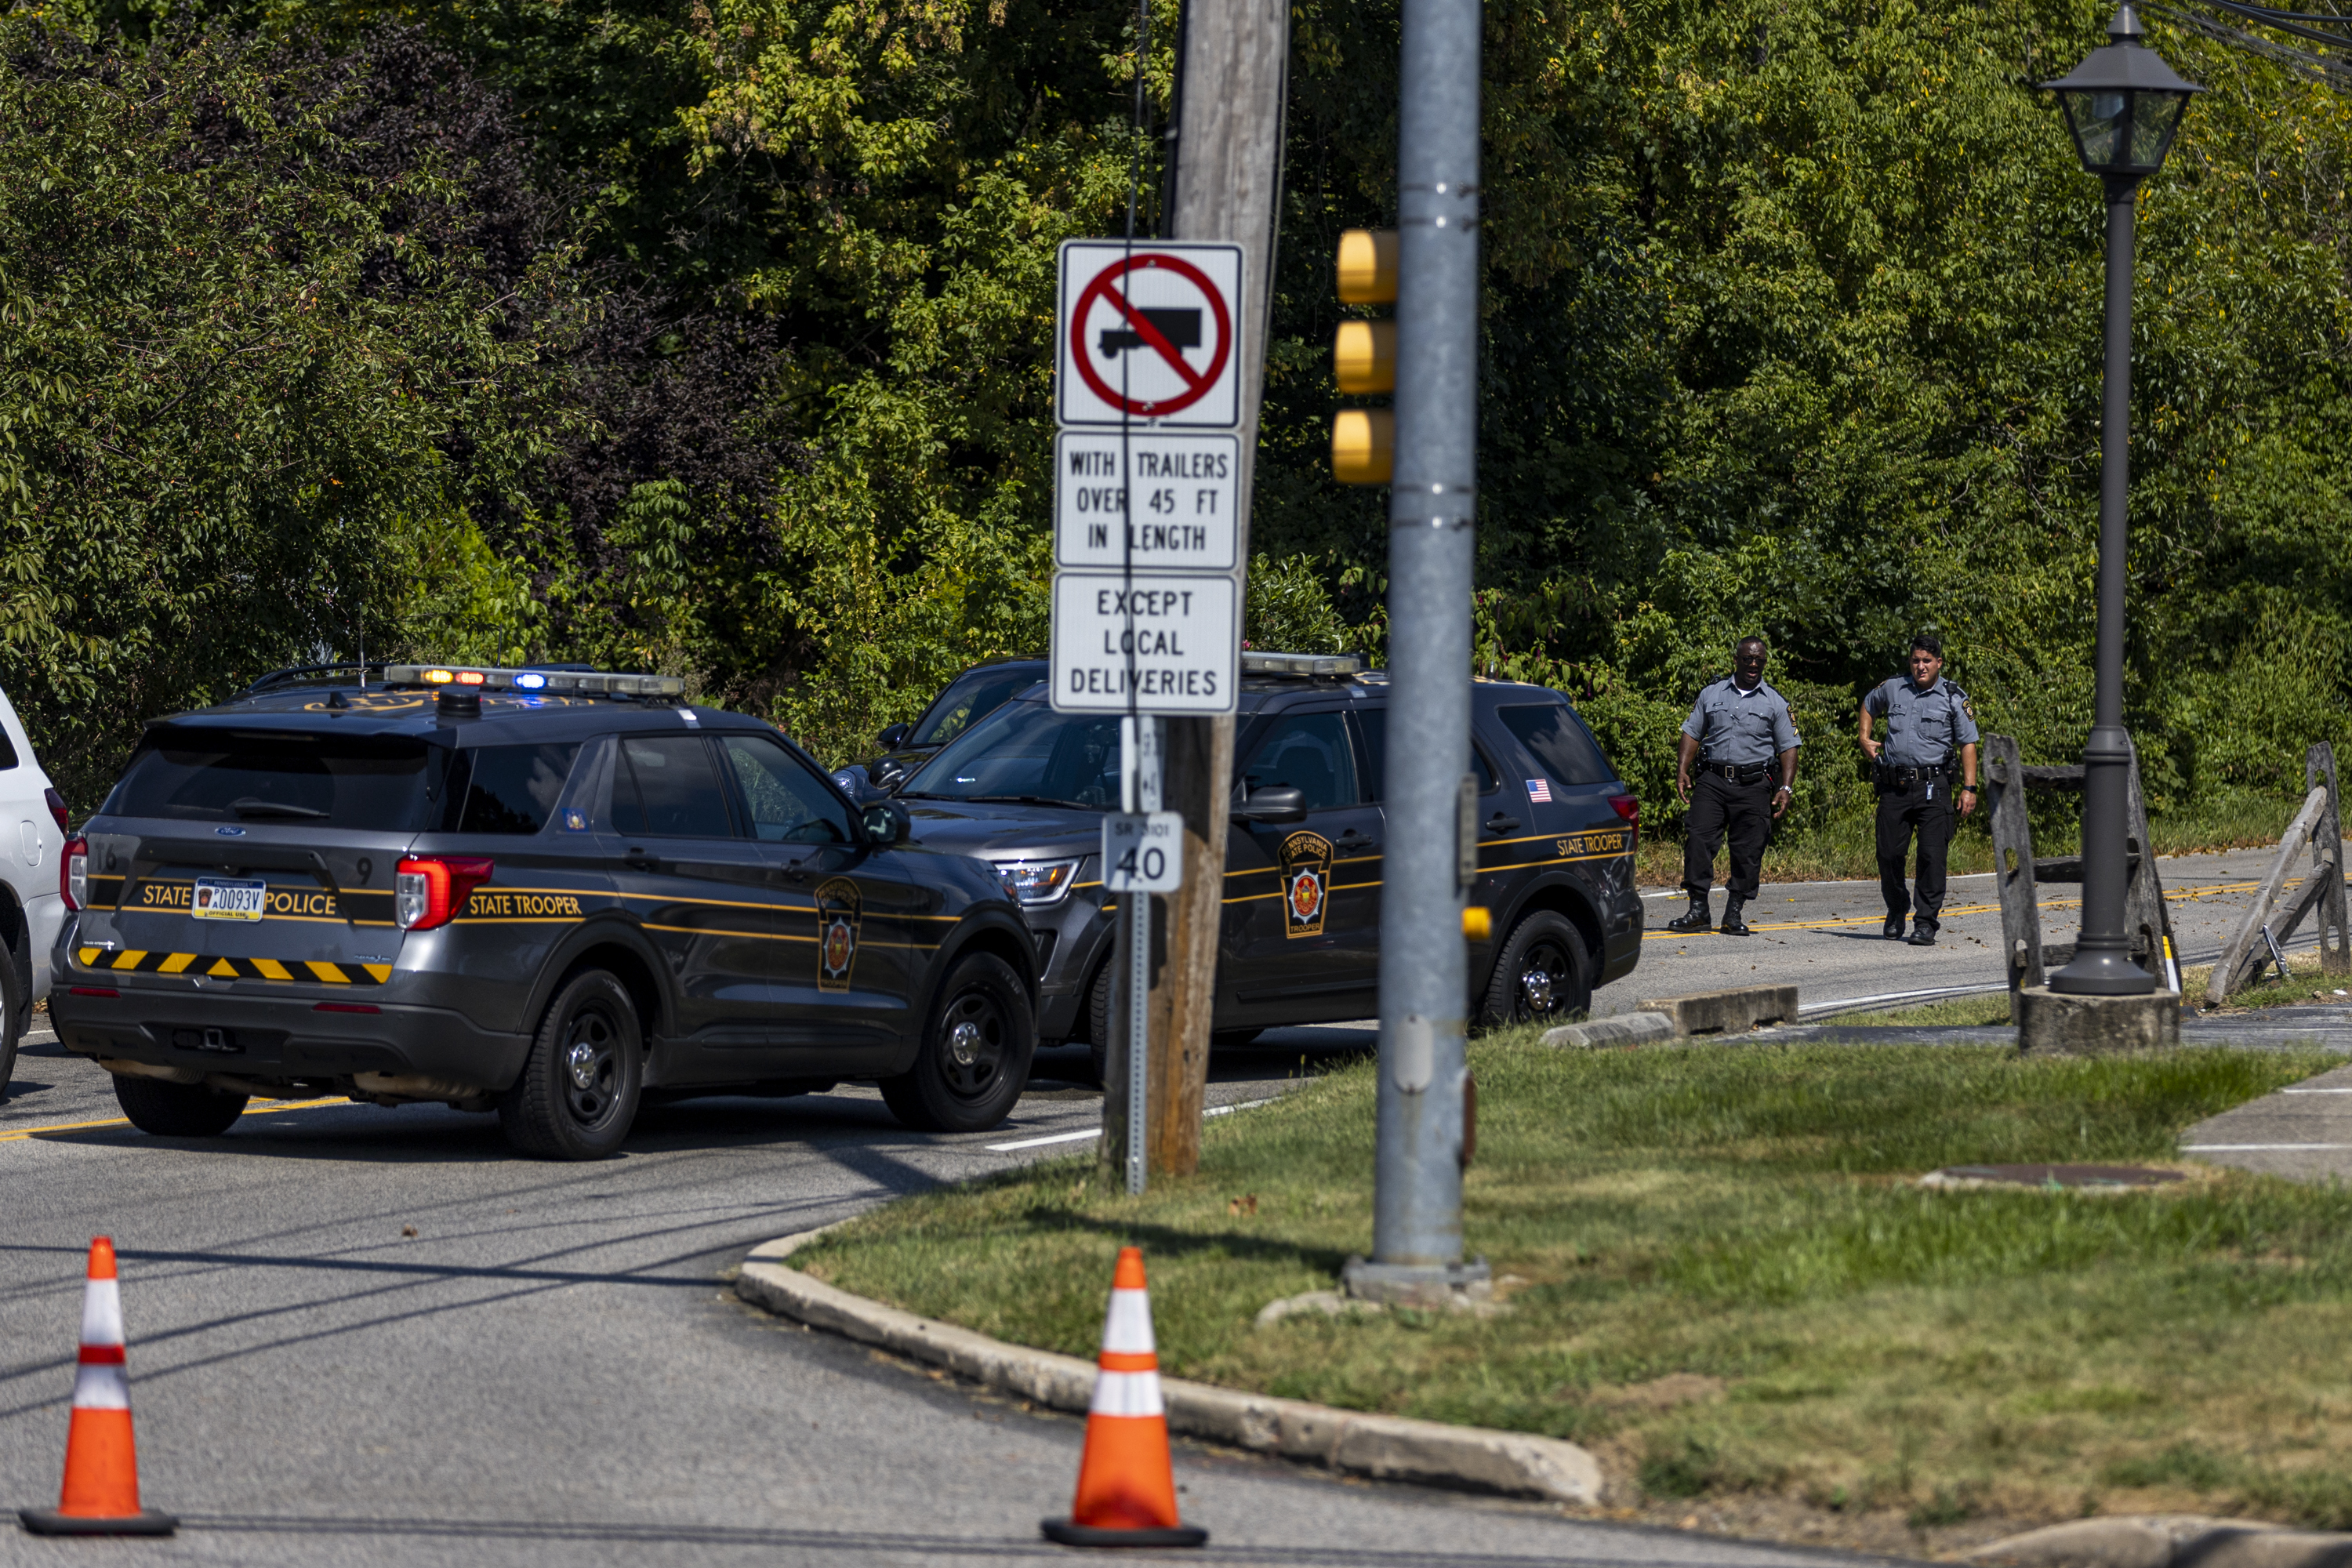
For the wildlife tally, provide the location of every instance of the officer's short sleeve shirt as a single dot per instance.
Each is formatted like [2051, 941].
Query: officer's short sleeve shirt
[1926, 726]
[1742, 728]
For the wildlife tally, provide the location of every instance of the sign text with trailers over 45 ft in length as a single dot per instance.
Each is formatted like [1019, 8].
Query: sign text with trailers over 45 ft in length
[1162, 639]
[1149, 332]
[1172, 494]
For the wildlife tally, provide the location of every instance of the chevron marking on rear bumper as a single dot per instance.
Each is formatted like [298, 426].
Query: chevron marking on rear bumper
[315, 971]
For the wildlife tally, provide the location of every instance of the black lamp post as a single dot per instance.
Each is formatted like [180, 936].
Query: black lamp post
[2122, 105]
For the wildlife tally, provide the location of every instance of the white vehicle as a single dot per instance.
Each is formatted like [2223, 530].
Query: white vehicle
[32, 841]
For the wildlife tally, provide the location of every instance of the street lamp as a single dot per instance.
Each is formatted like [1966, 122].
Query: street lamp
[2122, 104]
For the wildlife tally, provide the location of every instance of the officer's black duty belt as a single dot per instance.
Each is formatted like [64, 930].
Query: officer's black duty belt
[1734, 774]
[1913, 775]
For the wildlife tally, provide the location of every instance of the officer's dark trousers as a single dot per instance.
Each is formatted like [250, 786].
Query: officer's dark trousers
[1902, 813]
[1721, 809]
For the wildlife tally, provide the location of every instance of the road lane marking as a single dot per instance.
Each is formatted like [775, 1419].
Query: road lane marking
[2254, 1148]
[1097, 1131]
[2316, 1091]
[266, 1107]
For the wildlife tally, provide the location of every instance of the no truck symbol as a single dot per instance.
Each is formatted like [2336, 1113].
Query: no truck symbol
[1148, 334]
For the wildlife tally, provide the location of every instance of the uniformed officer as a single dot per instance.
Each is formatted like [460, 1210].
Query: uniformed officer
[1930, 748]
[1743, 740]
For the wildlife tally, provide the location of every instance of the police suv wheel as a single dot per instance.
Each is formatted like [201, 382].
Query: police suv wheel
[176, 1110]
[12, 1026]
[1544, 973]
[974, 1060]
[578, 1092]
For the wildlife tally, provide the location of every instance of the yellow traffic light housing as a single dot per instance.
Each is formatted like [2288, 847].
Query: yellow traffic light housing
[1367, 267]
[1363, 446]
[1363, 357]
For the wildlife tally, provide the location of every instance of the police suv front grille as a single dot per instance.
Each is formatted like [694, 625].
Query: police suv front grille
[310, 969]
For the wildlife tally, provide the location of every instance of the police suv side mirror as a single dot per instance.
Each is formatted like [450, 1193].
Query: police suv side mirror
[886, 822]
[891, 739]
[1276, 803]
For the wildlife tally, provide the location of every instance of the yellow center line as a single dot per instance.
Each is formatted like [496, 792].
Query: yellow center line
[266, 1106]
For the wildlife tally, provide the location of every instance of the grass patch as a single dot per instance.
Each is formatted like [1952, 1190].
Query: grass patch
[1970, 1012]
[1722, 1273]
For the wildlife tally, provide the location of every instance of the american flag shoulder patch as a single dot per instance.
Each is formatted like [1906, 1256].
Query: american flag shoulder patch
[1539, 790]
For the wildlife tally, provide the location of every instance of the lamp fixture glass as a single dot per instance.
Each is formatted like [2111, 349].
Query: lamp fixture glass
[2123, 103]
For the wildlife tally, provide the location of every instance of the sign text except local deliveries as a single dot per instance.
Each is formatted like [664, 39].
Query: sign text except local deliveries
[1165, 639]
[1174, 494]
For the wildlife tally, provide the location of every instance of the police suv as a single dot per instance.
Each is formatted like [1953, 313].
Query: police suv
[1298, 941]
[546, 892]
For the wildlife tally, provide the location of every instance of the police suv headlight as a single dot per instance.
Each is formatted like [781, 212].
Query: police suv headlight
[1035, 883]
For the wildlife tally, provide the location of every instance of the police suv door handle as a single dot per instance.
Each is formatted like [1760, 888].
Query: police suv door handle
[1351, 839]
[640, 861]
[1498, 823]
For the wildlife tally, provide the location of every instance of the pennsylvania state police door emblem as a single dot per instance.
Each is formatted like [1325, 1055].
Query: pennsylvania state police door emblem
[1305, 883]
[838, 909]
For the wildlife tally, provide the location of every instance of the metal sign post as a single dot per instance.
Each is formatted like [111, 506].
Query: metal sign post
[1146, 529]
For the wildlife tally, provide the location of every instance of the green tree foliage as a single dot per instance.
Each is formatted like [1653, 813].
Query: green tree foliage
[1792, 326]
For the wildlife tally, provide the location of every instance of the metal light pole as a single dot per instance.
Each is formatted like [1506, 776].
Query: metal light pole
[2122, 105]
[1425, 980]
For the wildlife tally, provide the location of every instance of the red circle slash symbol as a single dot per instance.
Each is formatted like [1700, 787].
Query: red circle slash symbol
[1196, 383]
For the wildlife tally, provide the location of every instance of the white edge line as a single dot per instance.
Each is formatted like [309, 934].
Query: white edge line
[1097, 1131]
[2316, 1091]
[2252, 1148]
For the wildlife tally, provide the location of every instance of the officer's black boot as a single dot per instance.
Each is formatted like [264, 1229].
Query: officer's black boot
[1923, 935]
[1893, 932]
[1696, 919]
[1733, 925]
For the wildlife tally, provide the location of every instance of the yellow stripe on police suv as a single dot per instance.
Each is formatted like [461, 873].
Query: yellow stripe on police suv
[271, 969]
[130, 960]
[331, 973]
[174, 963]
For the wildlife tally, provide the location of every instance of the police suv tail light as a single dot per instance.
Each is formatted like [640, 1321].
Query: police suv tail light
[429, 890]
[1034, 883]
[57, 809]
[1628, 808]
[73, 872]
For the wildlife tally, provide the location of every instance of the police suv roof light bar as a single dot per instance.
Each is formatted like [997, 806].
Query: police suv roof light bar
[1300, 664]
[553, 682]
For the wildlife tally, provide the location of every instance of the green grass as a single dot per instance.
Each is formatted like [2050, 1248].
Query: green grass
[1722, 1274]
[1992, 1008]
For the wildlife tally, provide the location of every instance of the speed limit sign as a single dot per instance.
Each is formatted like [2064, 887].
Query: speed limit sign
[1143, 852]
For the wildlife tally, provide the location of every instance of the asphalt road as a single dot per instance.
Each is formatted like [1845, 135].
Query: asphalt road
[1824, 936]
[551, 1368]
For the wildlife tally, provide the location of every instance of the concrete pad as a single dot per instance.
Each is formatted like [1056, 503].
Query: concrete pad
[1731, 1011]
[2059, 1024]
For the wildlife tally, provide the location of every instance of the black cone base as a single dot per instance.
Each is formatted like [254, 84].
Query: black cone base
[49, 1521]
[1065, 1532]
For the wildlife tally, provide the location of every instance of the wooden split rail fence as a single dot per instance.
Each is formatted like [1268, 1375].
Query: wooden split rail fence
[2017, 874]
[2277, 913]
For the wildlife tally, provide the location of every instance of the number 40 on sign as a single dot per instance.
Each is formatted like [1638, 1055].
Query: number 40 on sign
[1143, 852]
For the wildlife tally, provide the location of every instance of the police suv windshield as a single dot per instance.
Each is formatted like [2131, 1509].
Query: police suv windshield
[1026, 751]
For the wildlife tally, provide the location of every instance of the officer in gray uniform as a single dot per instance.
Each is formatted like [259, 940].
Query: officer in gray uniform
[1745, 745]
[1929, 756]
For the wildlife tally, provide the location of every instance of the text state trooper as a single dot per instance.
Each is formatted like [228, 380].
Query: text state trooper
[1741, 736]
[1930, 735]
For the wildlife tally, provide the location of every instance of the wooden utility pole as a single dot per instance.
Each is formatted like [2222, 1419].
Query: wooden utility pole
[1232, 85]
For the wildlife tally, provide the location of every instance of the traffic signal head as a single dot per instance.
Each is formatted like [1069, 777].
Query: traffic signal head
[1363, 446]
[1365, 356]
[1367, 267]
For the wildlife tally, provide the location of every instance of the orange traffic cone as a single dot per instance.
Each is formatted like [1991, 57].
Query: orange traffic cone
[1127, 1487]
[101, 1489]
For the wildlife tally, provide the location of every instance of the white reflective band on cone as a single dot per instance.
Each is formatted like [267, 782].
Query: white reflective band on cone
[1128, 1329]
[102, 1312]
[1127, 1393]
[101, 1385]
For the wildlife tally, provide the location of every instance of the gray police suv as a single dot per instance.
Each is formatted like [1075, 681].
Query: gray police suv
[1024, 788]
[547, 893]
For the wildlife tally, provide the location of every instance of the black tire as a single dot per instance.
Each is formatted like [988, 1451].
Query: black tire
[976, 1054]
[11, 1015]
[1233, 1039]
[177, 1109]
[578, 1091]
[1099, 1022]
[1543, 946]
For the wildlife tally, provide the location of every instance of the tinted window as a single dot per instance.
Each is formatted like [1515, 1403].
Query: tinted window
[785, 802]
[1375, 722]
[665, 786]
[1026, 751]
[1308, 753]
[973, 697]
[342, 780]
[1558, 739]
[512, 789]
[8, 752]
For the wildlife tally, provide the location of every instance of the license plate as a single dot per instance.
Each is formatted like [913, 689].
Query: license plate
[219, 899]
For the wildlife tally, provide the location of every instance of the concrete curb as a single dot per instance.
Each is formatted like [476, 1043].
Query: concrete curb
[1656, 1018]
[2168, 1541]
[1624, 1029]
[1386, 1448]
